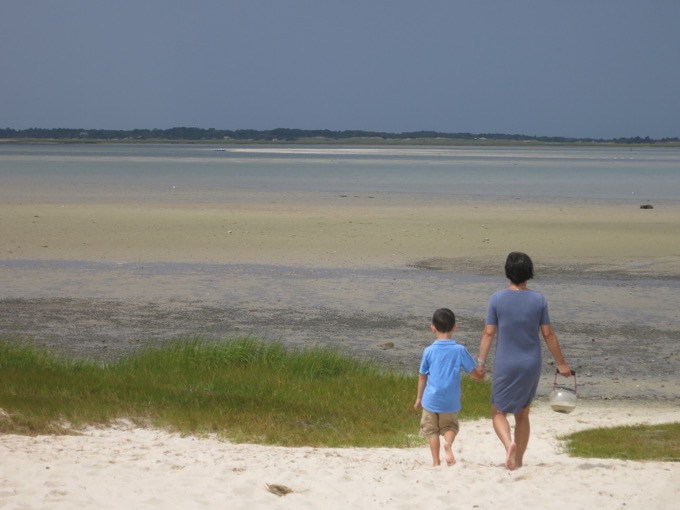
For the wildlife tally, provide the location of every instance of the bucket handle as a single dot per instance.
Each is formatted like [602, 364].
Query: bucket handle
[573, 372]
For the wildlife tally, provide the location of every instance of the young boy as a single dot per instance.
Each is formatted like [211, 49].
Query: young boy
[439, 385]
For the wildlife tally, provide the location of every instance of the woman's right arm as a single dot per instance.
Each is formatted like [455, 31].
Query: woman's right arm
[485, 344]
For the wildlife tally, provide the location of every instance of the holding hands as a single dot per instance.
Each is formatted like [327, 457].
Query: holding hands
[479, 372]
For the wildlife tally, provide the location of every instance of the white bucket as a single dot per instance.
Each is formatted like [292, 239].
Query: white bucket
[563, 399]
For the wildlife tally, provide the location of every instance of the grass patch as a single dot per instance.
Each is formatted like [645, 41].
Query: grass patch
[641, 442]
[244, 390]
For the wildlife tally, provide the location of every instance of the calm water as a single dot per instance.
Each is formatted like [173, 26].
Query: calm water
[201, 173]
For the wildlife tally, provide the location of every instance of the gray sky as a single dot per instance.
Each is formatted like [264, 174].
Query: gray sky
[576, 68]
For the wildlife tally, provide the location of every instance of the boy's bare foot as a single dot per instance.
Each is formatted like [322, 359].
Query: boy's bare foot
[510, 458]
[450, 459]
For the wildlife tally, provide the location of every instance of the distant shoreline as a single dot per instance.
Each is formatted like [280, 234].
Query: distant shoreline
[293, 136]
[431, 142]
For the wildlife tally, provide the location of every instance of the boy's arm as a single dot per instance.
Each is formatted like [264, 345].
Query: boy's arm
[422, 381]
[477, 372]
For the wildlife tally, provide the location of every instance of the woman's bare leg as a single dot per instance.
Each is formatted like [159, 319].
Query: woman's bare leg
[502, 428]
[522, 432]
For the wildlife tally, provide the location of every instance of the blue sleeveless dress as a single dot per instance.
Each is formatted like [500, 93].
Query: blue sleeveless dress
[517, 315]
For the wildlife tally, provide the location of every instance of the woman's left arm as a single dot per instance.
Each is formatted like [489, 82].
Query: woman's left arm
[553, 344]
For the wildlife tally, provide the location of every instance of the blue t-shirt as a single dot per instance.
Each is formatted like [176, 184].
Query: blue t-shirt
[441, 363]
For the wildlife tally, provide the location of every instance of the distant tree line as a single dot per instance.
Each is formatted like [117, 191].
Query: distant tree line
[193, 134]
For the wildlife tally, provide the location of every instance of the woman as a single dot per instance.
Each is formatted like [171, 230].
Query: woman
[517, 314]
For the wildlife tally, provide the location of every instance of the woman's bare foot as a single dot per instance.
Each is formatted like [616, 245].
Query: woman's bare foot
[510, 458]
[448, 451]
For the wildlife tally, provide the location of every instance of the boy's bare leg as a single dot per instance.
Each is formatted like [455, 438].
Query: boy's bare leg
[449, 437]
[522, 432]
[434, 449]
[502, 428]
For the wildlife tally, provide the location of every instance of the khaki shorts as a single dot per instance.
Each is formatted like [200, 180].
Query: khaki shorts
[435, 424]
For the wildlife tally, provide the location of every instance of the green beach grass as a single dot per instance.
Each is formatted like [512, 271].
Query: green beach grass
[243, 390]
[641, 442]
[249, 391]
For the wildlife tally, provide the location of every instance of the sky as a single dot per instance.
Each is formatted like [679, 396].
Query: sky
[576, 68]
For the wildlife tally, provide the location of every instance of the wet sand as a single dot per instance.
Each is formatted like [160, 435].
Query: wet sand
[363, 273]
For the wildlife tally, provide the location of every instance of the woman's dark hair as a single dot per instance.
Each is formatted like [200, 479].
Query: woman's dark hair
[518, 267]
[443, 320]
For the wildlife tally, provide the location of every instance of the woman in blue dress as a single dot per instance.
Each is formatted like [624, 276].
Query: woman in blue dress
[517, 315]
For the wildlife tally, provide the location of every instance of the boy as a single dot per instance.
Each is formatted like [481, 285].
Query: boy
[439, 385]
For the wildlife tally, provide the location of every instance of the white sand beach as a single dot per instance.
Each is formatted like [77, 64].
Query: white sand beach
[126, 467]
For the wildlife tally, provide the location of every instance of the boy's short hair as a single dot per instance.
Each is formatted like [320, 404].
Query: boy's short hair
[444, 320]
[518, 267]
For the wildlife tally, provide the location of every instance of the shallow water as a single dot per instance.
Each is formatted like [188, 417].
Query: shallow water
[200, 174]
